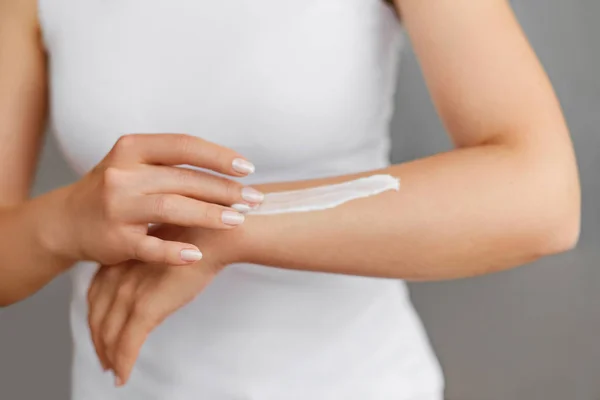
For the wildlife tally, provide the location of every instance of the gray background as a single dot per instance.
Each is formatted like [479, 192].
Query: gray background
[526, 334]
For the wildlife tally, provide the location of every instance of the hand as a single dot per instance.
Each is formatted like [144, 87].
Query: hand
[105, 215]
[127, 301]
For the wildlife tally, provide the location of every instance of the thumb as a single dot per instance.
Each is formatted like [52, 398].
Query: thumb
[150, 249]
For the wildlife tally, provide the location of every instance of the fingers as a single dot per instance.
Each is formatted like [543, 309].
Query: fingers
[132, 337]
[94, 320]
[179, 149]
[117, 315]
[179, 210]
[144, 297]
[100, 298]
[196, 184]
[112, 300]
[150, 249]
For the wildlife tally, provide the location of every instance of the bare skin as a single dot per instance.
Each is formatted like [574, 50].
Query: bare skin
[508, 194]
[104, 216]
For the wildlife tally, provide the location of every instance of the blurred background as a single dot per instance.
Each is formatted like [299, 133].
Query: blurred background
[527, 334]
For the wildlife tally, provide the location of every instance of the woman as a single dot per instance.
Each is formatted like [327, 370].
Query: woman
[286, 306]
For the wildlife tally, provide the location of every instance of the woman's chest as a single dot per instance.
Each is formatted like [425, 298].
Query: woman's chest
[298, 78]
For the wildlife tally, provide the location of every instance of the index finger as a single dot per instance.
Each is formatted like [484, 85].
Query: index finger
[179, 149]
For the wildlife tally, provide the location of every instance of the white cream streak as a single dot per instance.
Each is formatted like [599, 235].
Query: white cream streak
[325, 197]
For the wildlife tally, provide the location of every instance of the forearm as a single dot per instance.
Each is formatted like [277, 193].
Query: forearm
[457, 214]
[27, 261]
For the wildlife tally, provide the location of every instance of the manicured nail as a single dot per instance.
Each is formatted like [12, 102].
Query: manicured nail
[252, 195]
[243, 166]
[232, 218]
[243, 208]
[190, 255]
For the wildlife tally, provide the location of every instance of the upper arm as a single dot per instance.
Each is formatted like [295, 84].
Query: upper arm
[485, 80]
[22, 98]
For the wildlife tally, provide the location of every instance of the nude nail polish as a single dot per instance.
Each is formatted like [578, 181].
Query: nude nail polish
[242, 208]
[232, 218]
[190, 255]
[252, 195]
[243, 166]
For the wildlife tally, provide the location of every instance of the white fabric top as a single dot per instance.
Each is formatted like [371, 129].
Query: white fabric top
[303, 89]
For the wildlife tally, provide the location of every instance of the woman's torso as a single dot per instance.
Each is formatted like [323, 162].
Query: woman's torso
[303, 89]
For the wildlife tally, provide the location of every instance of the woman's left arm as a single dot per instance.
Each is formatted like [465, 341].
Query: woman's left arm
[508, 194]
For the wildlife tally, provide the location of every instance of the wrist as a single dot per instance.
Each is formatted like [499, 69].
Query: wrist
[220, 248]
[238, 243]
[52, 227]
[247, 240]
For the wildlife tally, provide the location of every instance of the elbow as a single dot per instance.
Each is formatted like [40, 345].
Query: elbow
[559, 217]
[563, 237]
[549, 195]
[558, 233]
[572, 234]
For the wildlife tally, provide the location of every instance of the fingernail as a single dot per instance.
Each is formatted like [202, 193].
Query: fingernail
[190, 255]
[232, 218]
[243, 166]
[118, 381]
[243, 208]
[252, 195]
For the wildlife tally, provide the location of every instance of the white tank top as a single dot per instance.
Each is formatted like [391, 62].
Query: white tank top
[303, 89]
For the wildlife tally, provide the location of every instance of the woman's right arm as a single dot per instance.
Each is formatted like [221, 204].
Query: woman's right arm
[104, 216]
[22, 117]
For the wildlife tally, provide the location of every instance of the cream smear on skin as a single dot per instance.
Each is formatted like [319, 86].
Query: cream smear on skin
[325, 197]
